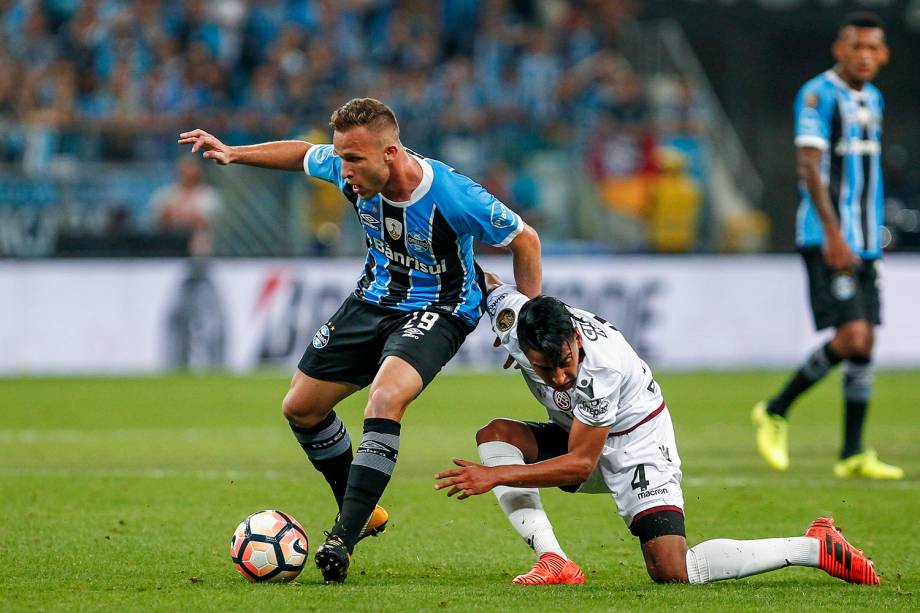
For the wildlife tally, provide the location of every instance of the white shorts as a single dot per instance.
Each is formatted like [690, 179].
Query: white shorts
[641, 469]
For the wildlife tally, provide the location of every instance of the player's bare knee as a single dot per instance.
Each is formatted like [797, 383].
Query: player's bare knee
[862, 346]
[854, 340]
[289, 408]
[671, 571]
[386, 401]
[667, 576]
[496, 430]
[301, 413]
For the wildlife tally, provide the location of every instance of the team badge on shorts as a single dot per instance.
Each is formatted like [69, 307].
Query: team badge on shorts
[504, 320]
[321, 338]
[843, 286]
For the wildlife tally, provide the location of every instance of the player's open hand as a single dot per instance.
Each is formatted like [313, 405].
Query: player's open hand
[211, 146]
[468, 480]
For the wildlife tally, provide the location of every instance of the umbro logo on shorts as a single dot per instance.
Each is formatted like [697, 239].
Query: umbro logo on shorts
[413, 333]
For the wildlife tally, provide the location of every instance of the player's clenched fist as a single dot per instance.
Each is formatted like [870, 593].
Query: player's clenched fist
[468, 480]
[210, 144]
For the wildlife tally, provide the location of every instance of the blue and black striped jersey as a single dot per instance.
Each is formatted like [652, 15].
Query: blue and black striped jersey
[420, 252]
[846, 125]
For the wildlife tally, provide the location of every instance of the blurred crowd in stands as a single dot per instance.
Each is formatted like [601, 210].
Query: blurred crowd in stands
[480, 84]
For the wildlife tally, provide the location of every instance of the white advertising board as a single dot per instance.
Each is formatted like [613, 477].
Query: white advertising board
[143, 316]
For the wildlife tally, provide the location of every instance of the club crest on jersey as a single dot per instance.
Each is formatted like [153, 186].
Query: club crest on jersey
[394, 228]
[321, 338]
[504, 320]
[370, 221]
[811, 100]
[843, 287]
[418, 242]
[562, 400]
[501, 216]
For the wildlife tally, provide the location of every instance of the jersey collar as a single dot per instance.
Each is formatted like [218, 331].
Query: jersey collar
[419, 192]
[834, 78]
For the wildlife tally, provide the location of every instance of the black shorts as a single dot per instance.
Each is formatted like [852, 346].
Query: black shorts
[838, 297]
[351, 346]
[552, 442]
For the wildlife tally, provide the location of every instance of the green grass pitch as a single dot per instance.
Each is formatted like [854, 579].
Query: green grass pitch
[121, 494]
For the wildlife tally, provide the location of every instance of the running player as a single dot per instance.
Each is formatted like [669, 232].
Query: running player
[838, 119]
[609, 432]
[417, 299]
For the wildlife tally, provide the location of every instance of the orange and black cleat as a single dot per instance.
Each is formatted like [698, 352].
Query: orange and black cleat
[837, 557]
[552, 569]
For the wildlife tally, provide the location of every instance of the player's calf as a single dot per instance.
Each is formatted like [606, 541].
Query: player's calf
[666, 559]
[664, 545]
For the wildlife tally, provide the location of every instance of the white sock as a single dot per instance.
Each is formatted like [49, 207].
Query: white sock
[521, 505]
[730, 559]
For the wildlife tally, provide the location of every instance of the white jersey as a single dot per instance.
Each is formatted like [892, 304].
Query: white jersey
[614, 388]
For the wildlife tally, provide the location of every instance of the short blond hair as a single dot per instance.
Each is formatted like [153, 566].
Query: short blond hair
[368, 112]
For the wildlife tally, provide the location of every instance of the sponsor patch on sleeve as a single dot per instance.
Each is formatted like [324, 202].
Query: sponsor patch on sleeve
[505, 320]
[502, 217]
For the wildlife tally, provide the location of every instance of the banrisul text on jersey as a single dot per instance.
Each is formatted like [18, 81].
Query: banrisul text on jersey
[420, 252]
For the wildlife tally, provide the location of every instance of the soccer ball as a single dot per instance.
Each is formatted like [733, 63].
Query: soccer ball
[269, 546]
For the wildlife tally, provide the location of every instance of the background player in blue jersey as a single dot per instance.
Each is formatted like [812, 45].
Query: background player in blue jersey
[418, 297]
[838, 127]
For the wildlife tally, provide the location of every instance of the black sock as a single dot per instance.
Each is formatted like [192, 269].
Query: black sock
[810, 372]
[328, 447]
[857, 389]
[370, 473]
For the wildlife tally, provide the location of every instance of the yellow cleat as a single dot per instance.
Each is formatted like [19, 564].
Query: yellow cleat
[772, 437]
[376, 523]
[867, 466]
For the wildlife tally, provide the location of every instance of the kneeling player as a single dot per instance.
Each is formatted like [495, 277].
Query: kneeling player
[609, 431]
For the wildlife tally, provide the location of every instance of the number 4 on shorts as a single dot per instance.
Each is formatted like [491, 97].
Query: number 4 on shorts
[639, 480]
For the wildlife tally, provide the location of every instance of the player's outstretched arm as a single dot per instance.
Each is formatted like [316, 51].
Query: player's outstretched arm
[528, 269]
[585, 445]
[837, 253]
[281, 155]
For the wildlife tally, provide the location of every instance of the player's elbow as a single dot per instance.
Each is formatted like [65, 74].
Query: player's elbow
[804, 171]
[807, 165]
[527, 241]
[581, 470]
